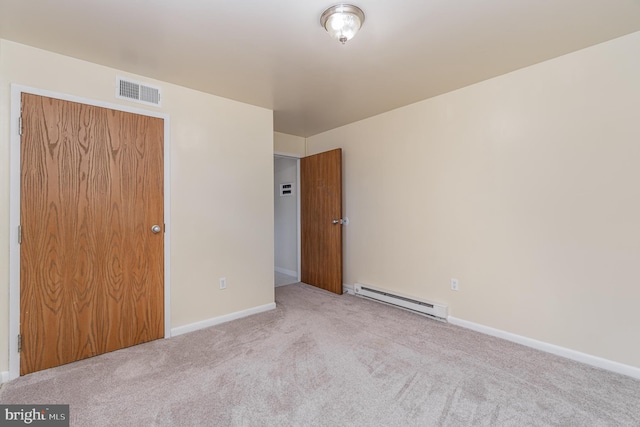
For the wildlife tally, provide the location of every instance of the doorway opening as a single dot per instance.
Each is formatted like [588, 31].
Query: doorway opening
[17, 92]
[286, 220]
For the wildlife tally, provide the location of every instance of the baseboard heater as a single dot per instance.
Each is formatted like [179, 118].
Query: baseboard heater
[426, 308]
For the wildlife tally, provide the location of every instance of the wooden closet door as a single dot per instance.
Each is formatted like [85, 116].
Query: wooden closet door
[320, 219]
[92, 271]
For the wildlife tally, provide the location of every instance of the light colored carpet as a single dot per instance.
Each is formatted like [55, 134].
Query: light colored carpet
[326, 360]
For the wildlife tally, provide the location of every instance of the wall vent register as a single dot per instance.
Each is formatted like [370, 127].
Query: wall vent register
[138, 92]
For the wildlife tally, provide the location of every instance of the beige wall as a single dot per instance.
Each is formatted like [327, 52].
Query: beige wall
[221, 185]
[290, 145]
[525, 187]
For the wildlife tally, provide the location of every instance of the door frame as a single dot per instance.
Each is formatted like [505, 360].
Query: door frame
[14, 208]
[297, 189]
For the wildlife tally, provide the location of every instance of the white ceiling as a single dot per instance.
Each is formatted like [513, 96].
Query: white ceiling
[275, 54]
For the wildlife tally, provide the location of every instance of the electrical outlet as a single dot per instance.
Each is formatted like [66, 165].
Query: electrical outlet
[223, 283]
[454, 284]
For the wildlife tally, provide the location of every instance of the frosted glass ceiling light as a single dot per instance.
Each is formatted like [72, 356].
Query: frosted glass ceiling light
[342, 21]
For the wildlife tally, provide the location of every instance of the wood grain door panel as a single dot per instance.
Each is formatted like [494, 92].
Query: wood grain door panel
[320, 204]
[92, 273]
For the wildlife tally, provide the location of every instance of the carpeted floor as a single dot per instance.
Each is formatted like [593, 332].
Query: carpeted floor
[325, 360]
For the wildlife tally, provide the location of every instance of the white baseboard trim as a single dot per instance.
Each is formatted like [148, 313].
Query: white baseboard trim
[585, 358]
[221, 319]
[285, 271]
[348, 289]
[4, 377]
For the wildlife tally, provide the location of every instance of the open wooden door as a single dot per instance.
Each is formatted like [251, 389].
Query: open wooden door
[321, 220]
[92, 220]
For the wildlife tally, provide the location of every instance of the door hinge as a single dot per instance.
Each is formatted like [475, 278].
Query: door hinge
[20, 125]
[19, 343]
[19, 234]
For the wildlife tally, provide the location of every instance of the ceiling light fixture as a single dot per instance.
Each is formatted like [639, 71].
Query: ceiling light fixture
[342, 21]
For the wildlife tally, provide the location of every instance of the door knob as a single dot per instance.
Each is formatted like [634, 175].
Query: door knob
[156, 229]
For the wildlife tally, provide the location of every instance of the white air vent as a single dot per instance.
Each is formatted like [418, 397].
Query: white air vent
[138, 92]
[430, 309]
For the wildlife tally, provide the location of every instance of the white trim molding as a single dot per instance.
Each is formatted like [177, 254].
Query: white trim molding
[14, 209]
[587, 359]
[348, 289]
[298, 218]
[285, 271]
[185, 329]
[289, 155]
[4, 377]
